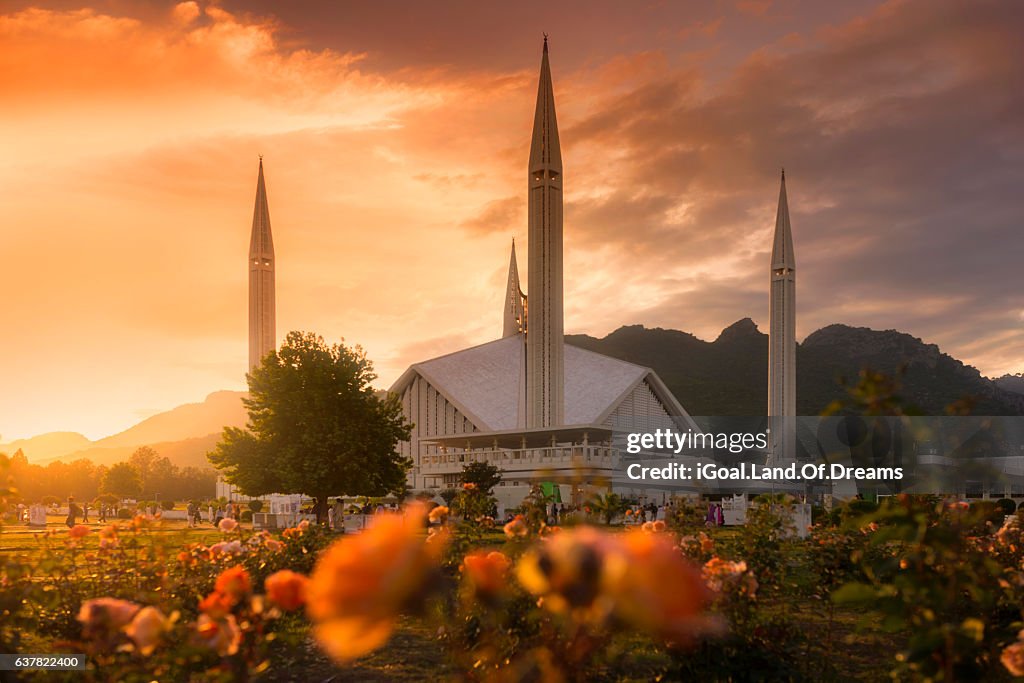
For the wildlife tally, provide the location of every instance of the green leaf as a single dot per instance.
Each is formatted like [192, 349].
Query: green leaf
[854, 592]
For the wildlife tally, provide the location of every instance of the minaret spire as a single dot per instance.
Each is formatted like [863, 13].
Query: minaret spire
[782, 247]
[545, 344]
[262, 302]
[782, 335]
[515, 300]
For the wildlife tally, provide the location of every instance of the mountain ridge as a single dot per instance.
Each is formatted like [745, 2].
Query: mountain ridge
[727, 376]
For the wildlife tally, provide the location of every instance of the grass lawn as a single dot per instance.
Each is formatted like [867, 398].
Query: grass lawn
[17, 539]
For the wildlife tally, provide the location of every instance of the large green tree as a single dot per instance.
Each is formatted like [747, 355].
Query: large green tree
[315, 427]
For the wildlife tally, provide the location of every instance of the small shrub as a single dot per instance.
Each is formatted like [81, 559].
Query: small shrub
[167, 504]
[124, 513]
[857, 507]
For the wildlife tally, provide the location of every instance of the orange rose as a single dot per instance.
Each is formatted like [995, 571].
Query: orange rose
[486, 572]
[707, 544]
[146, 629]
[670, 610]
[222, 635]
[78, 531]
[362, 583]
[108, 537]
[717, 572]
[1013, 657]
[216, 604]
[103, 618]
[517, 527]
[286, 589]
[234, 583]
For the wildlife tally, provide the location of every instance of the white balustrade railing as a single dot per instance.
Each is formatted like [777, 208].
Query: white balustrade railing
[527, 458]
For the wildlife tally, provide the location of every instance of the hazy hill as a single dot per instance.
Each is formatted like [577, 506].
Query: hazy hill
[47, 446]
[220, 409]
[183, 434]
[183, 453]
[729, 376]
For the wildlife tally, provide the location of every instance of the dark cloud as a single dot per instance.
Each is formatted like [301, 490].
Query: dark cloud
[903, 136]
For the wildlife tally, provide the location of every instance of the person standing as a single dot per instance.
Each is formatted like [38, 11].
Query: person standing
[209, 513]
[338, 511]
[72, 518]
[85, 513]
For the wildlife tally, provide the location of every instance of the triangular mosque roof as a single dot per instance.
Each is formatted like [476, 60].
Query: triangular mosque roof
[483, 382]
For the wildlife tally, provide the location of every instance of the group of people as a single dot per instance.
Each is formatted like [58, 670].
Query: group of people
[649, 512]
[103, 512]
[556, 513]
[75, 511]
[336, 512]
[715, 515]
[214, 513]
[194, 512]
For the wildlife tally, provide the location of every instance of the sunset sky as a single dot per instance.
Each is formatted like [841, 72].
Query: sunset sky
[395, 146]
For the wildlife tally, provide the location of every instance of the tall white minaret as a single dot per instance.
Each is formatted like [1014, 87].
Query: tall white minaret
[262, 329]
[515, 301]
[545, 344]
[782, 336]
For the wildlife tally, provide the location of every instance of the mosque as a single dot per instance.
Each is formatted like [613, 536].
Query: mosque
[541, 410]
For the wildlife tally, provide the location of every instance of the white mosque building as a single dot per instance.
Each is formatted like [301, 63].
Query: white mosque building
[538, 408]
[541, 410]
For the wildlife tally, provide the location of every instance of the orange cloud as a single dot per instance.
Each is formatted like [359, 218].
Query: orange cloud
[128, 175]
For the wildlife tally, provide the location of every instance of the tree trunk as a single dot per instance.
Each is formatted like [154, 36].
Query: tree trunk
[320, 507]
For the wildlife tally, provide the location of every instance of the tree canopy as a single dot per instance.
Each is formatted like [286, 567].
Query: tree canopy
[483, 474]
[122, 480]
[85, 480]
[315, 427]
